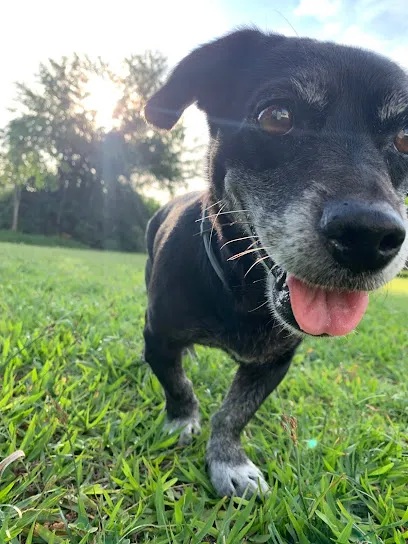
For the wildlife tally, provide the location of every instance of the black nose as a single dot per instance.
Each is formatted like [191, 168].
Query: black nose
[362, 236]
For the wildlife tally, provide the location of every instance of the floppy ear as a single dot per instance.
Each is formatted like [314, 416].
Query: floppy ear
[206, 76]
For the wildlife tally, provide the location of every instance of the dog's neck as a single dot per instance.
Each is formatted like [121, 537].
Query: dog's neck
[228, 248]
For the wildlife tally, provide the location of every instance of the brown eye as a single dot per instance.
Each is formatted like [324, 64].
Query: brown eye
[401, 141]
[276, 120]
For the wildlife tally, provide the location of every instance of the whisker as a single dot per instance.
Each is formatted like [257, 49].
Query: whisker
[257, 308]
[250, 245]
[254, 264]
[212, 226]
[295, 31]
[253, 244]
[201, 232]
[260, 279]
[220, 213]
[238, 255]
[212, 205]
[237, 240]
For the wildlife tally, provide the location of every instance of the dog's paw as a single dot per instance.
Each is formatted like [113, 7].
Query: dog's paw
[237, 480]
[190, 427]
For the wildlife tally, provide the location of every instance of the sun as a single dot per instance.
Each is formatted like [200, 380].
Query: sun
[102, 98]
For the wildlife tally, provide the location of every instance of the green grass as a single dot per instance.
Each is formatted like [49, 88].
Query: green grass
[88, 415]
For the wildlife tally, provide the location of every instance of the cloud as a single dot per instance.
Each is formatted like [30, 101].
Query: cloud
[329, 30]
[370, 24]
[355, 35]
[369, 10]
[400, 55]
[321, 9]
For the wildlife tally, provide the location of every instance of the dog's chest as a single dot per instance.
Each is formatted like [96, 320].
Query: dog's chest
[250, 341]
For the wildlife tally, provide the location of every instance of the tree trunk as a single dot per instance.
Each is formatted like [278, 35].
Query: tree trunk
[16, 207]
[63, 187]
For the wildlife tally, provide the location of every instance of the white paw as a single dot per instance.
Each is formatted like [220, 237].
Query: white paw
[189, 427]
[237, 480]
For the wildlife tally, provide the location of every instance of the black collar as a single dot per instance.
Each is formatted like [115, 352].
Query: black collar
[208, 233]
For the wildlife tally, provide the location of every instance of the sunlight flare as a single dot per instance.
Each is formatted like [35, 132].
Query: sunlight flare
[102, 98]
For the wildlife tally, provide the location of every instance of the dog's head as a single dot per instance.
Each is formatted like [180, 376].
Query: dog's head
[310, 141]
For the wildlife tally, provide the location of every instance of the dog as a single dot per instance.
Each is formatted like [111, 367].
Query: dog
[304, 215]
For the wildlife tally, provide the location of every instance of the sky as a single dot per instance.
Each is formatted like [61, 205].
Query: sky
[32, 31]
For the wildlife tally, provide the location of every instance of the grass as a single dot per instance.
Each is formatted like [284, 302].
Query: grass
[333, 440]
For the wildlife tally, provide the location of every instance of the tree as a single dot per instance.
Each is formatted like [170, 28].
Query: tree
[56, 124]
[97, 172]
[152, 157]
[20, 167]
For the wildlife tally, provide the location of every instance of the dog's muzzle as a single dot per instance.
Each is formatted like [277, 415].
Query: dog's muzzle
[281, 297]
[280, 291]
[311, 309]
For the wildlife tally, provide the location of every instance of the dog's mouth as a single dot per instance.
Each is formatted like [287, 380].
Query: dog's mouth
[316, 310]
[312, 309]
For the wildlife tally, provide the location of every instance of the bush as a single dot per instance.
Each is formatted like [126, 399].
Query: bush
[39, 240]
[88, 217]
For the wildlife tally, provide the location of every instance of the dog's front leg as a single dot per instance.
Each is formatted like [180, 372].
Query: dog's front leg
[165, 359]
[231, 472]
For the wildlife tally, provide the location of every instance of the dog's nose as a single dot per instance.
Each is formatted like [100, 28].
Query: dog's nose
[362, 236]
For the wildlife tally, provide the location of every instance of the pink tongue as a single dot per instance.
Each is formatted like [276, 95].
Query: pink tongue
[318, 311]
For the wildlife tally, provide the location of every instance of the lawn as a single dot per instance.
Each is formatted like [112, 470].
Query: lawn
[75, 397]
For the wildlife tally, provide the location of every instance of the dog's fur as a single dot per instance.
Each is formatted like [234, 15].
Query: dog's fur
[348, 106]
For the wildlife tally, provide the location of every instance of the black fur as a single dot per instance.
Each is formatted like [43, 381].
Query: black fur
[348, 105]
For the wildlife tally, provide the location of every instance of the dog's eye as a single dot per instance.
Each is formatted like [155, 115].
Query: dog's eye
[276, 120]
[401, 141]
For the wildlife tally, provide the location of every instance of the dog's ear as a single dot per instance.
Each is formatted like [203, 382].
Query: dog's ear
[207, 76]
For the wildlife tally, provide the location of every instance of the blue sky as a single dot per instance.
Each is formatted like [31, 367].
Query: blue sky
[32, 31]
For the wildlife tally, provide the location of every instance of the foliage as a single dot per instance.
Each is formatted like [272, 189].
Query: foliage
[23, 170]
[153, 158]
[93, 195]
[39, 240]
[88, 414]
[88, 225]
[21, 167]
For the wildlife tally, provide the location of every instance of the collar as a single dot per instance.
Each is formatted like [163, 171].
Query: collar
[207, 230]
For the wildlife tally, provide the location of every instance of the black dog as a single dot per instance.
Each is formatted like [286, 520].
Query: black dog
[308, 171]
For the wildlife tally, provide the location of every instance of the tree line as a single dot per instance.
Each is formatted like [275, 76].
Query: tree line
[62, 174]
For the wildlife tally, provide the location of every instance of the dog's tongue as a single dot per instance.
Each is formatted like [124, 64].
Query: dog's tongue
[318, 311]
